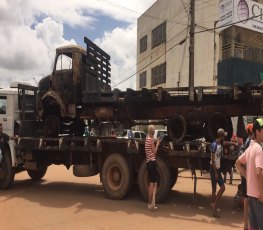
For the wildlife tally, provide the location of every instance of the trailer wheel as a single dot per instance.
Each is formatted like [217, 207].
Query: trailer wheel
[176, 128]
[163, 180]
[51, 126]
[116, 176]
[174, 176]
[7, 172]
[37, 174]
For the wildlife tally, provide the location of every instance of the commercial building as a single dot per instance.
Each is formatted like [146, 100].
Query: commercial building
[228, 43]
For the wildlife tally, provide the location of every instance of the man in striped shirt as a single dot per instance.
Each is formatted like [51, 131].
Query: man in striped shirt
[151, 150]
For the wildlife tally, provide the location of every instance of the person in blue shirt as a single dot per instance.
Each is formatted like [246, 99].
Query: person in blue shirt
[215, 172]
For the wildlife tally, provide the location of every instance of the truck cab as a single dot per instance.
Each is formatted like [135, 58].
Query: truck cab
[17, 103]
[9, 113]
[76, 70]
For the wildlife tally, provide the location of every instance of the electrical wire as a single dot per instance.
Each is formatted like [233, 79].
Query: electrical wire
[230, 24]
[179, 43]
[198, 32]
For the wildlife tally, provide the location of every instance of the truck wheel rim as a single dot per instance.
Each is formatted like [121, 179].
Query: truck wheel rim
[114, 177]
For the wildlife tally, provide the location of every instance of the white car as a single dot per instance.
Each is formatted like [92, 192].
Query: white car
[134, 134]
[160, 134]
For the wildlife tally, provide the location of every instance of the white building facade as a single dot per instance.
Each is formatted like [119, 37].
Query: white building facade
[222, 56]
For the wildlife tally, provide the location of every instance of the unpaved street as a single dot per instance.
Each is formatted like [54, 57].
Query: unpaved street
[62, 201]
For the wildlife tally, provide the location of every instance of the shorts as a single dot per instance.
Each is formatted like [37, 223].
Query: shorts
[244, 186]
[152, 171]
[255, 213]
[220, 180]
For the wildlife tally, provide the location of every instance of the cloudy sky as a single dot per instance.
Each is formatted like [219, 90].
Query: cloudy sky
[30, 30]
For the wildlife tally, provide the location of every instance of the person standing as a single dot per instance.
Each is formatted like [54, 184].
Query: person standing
[250, 166]
[3, 140]
[249, 130]
[215, 172]
[151, 150]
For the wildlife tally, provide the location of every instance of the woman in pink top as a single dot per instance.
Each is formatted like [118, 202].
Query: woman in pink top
[150, 151]
[250, 166]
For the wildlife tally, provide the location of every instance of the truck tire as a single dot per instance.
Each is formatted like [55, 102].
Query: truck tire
[176, 128]
[116, 176]
[163, 180]
[51, 126]
[7, 172]
[174, 176]
[37, 174]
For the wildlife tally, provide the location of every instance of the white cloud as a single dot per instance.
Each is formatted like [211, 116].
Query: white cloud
[30, 30]
[123, 54]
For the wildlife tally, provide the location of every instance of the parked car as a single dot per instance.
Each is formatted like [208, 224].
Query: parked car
[162, 133]
[133, 134]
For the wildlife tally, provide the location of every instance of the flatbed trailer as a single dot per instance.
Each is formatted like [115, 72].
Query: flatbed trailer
[119, 162]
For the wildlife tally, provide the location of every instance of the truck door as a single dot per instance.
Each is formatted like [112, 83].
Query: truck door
[7, 114]
[62, 79]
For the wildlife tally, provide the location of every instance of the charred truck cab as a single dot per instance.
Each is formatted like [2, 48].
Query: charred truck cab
[75, 71]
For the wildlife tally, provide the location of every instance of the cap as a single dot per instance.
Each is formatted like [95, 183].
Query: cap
[249, 128]
[260, 122]
[221, 132]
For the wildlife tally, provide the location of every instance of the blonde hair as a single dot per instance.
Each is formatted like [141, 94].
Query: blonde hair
[151, 130]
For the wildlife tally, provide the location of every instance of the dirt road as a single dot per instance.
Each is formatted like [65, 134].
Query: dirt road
[62, 201]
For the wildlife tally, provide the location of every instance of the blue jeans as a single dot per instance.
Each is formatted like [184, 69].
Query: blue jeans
[255, 213]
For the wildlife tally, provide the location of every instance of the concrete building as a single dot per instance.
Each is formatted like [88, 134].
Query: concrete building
[223, 56]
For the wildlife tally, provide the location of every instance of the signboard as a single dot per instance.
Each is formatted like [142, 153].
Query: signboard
[243, 13]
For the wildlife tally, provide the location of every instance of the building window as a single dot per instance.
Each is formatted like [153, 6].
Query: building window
[142, 79]
[159, 74]
[159, 35]
[143, 44]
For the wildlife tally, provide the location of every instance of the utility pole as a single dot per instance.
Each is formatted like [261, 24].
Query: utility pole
[191, 50]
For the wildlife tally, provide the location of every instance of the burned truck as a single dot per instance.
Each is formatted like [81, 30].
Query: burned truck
[79, 89]
[78, 92]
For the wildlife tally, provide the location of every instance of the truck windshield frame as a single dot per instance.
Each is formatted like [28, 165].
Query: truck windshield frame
[3, 103]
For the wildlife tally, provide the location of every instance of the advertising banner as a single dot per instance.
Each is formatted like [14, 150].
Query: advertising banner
[243, 13]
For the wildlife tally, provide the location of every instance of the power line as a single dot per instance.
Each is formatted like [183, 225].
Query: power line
[230, 24]
[172, 22]
[179, 43]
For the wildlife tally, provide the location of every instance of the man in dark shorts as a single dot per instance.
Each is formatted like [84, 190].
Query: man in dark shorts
[215, 172]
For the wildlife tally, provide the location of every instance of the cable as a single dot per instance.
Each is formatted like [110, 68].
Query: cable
[179, 43]
[151, 54]
[172, 22]
[231, 24]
